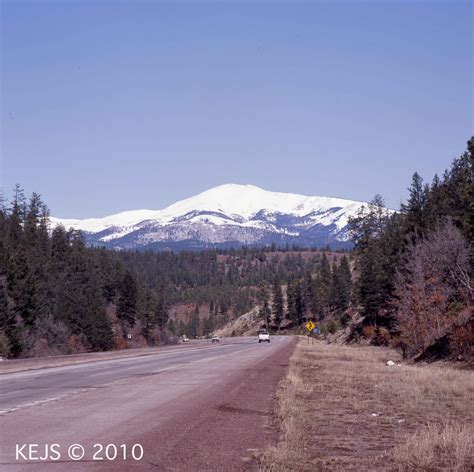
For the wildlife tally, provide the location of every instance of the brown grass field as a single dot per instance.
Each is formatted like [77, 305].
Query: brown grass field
[342, 408]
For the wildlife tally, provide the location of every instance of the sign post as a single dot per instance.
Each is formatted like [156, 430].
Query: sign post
[310, 326]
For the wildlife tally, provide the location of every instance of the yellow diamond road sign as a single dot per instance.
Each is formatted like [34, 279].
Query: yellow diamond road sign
[310, 326]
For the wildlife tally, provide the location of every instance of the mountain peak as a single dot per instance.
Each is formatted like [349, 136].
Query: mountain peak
[227, 214]
[236, 199]
[235, 186]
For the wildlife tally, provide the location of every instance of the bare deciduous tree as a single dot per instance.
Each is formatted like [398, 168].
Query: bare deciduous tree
[433, 288]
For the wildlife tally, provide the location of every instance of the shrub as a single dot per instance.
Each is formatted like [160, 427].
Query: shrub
[382, 337]
[432, 289]
[344, 319]
[368, 332]
[332, 326]
[4, 345]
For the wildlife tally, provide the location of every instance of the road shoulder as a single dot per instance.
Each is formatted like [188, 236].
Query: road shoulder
[231, 426]
[343, 408]
[210, 414]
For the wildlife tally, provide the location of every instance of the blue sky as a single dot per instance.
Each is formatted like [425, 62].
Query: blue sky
[110, 106]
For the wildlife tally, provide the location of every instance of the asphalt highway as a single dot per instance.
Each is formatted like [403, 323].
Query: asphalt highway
[201, 407]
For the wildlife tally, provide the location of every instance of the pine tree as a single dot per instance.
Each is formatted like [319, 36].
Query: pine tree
[277, 304]
[263, 299]
[296, 307]
[172, 326]
[161, 305]
[290, 302]
[207, 326]
[194, 324]
[127, 303]
[182, 329]
[323, 288]
[415, 207]
[334, 288]
[8, 323]
[16, 220]
[458, 188]
[309, 294]
[344, 284]
[21, 285]
[299, 302]
[378, 238]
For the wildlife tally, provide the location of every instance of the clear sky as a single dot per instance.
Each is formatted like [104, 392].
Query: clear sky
[120, 105]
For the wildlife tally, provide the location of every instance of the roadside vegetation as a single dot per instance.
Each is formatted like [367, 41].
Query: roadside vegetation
[407, 283]
[343, 408]
[415, 267]
[207, 290]
[58, 296]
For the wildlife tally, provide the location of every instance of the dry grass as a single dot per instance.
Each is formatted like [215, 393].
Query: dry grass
[342, 408]
[436, 447]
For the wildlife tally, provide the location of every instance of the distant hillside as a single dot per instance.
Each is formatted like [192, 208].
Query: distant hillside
[58, 296]
[207, 290]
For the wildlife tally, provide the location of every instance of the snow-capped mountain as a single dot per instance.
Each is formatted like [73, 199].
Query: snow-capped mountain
[225, 216]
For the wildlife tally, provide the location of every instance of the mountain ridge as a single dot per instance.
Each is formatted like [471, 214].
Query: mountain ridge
[226, 215]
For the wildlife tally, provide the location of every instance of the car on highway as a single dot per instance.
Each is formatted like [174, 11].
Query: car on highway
[185, 339]
[263, 336]
[214, 339]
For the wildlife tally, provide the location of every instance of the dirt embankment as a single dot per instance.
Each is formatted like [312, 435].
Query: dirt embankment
[245, 325]
[343, 408]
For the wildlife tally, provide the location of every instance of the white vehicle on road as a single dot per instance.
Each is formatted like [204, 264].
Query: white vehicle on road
[263, 336]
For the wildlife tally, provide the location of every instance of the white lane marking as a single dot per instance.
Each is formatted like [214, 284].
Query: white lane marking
[102, 363]
[247, 347]
[25, 405]
[70, 393]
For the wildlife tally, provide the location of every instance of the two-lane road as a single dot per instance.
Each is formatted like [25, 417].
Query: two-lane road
[203, 407]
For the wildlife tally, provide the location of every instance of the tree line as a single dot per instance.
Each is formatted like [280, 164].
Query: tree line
[323, 292]
[57, 296]
[413, 279]
[415, 265]
[188, 272]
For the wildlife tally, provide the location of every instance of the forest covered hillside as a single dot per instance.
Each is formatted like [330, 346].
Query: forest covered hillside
[59, 296]
[407, 282]
[415, 267]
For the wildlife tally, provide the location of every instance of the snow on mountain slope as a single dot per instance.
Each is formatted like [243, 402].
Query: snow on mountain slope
[94, 225]
[227, 214]
[233, 199]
